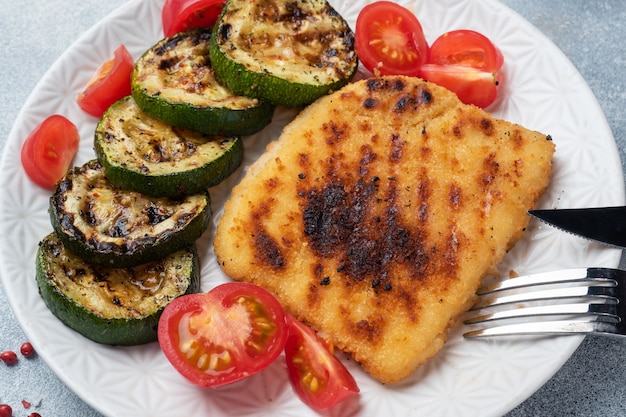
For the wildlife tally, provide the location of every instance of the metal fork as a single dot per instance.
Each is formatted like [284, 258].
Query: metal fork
[572, 301]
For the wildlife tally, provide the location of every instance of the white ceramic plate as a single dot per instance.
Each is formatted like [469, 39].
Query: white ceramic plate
[543, 91]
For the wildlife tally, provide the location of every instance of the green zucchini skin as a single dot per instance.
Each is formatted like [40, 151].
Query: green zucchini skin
[120, 228]
[262, 49]
[91, 299]
[174, 82]
[147, 155]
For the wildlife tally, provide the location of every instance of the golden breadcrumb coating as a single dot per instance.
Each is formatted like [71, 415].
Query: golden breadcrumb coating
[377, 212]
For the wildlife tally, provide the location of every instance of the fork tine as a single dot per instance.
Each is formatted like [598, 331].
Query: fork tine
[494, 299]
[601, 311]
[553, 277]
[555, 327]
[573, 301]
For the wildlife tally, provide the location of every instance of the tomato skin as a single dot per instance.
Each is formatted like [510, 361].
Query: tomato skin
[316, 375]
[49, 149]
[390, 40]
[181, 15]
[110, 83]
[233, 331]
[471, 85]
[467, 63]
[466, 48]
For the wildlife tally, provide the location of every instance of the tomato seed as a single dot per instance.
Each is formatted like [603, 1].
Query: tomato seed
[27, 350]
[5, 410]
[26, 404]
[8, 357]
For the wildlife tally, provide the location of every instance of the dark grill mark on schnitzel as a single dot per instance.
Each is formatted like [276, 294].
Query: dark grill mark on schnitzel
[424, 192]
[379, 84]
[328, 219]
[413, 100]
[455, 197]
[487, 126]
[491, 167]
[369, 328]
[370, 103]
[334, 133]
[340, 222]
[397, 147]
[267, 250]
[450, 257]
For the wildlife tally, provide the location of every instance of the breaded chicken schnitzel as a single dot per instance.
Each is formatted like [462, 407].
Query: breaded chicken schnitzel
[377, 212]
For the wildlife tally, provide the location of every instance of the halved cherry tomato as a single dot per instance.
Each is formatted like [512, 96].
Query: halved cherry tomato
[467, 48]
[467, 63]
[220, 337]
[181, 15]
[316, 375]
[471, 85]
[110, 83]
[49, 150]
[390, 39]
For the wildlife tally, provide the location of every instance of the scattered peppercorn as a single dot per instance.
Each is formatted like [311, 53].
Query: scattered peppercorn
[8, 357]
[27, 350]
[5, 410]
[325, 281]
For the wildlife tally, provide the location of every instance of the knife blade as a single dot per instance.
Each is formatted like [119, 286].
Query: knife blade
[601, 224]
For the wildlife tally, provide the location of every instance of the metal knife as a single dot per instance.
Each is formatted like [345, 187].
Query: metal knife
[602, 224]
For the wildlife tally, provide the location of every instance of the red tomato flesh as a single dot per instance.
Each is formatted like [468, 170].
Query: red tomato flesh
[110, 83]
[472, 86]
[49, 150]
[390, 40]
[316, 375]
[466, 63]
[466, 48]
[220, 337]
[181, 15]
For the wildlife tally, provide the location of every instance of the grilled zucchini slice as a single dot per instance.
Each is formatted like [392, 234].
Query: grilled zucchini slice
[173, 81]
[114, 306]
[287, 52]
[146, 155]
[120, 228]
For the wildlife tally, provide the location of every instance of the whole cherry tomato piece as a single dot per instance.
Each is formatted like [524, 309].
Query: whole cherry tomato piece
[471, 85]
[110, 83]
[467, 63]
[390, 40]
[220, 337]
[181, 15]
[49, 150]
[316, 375]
